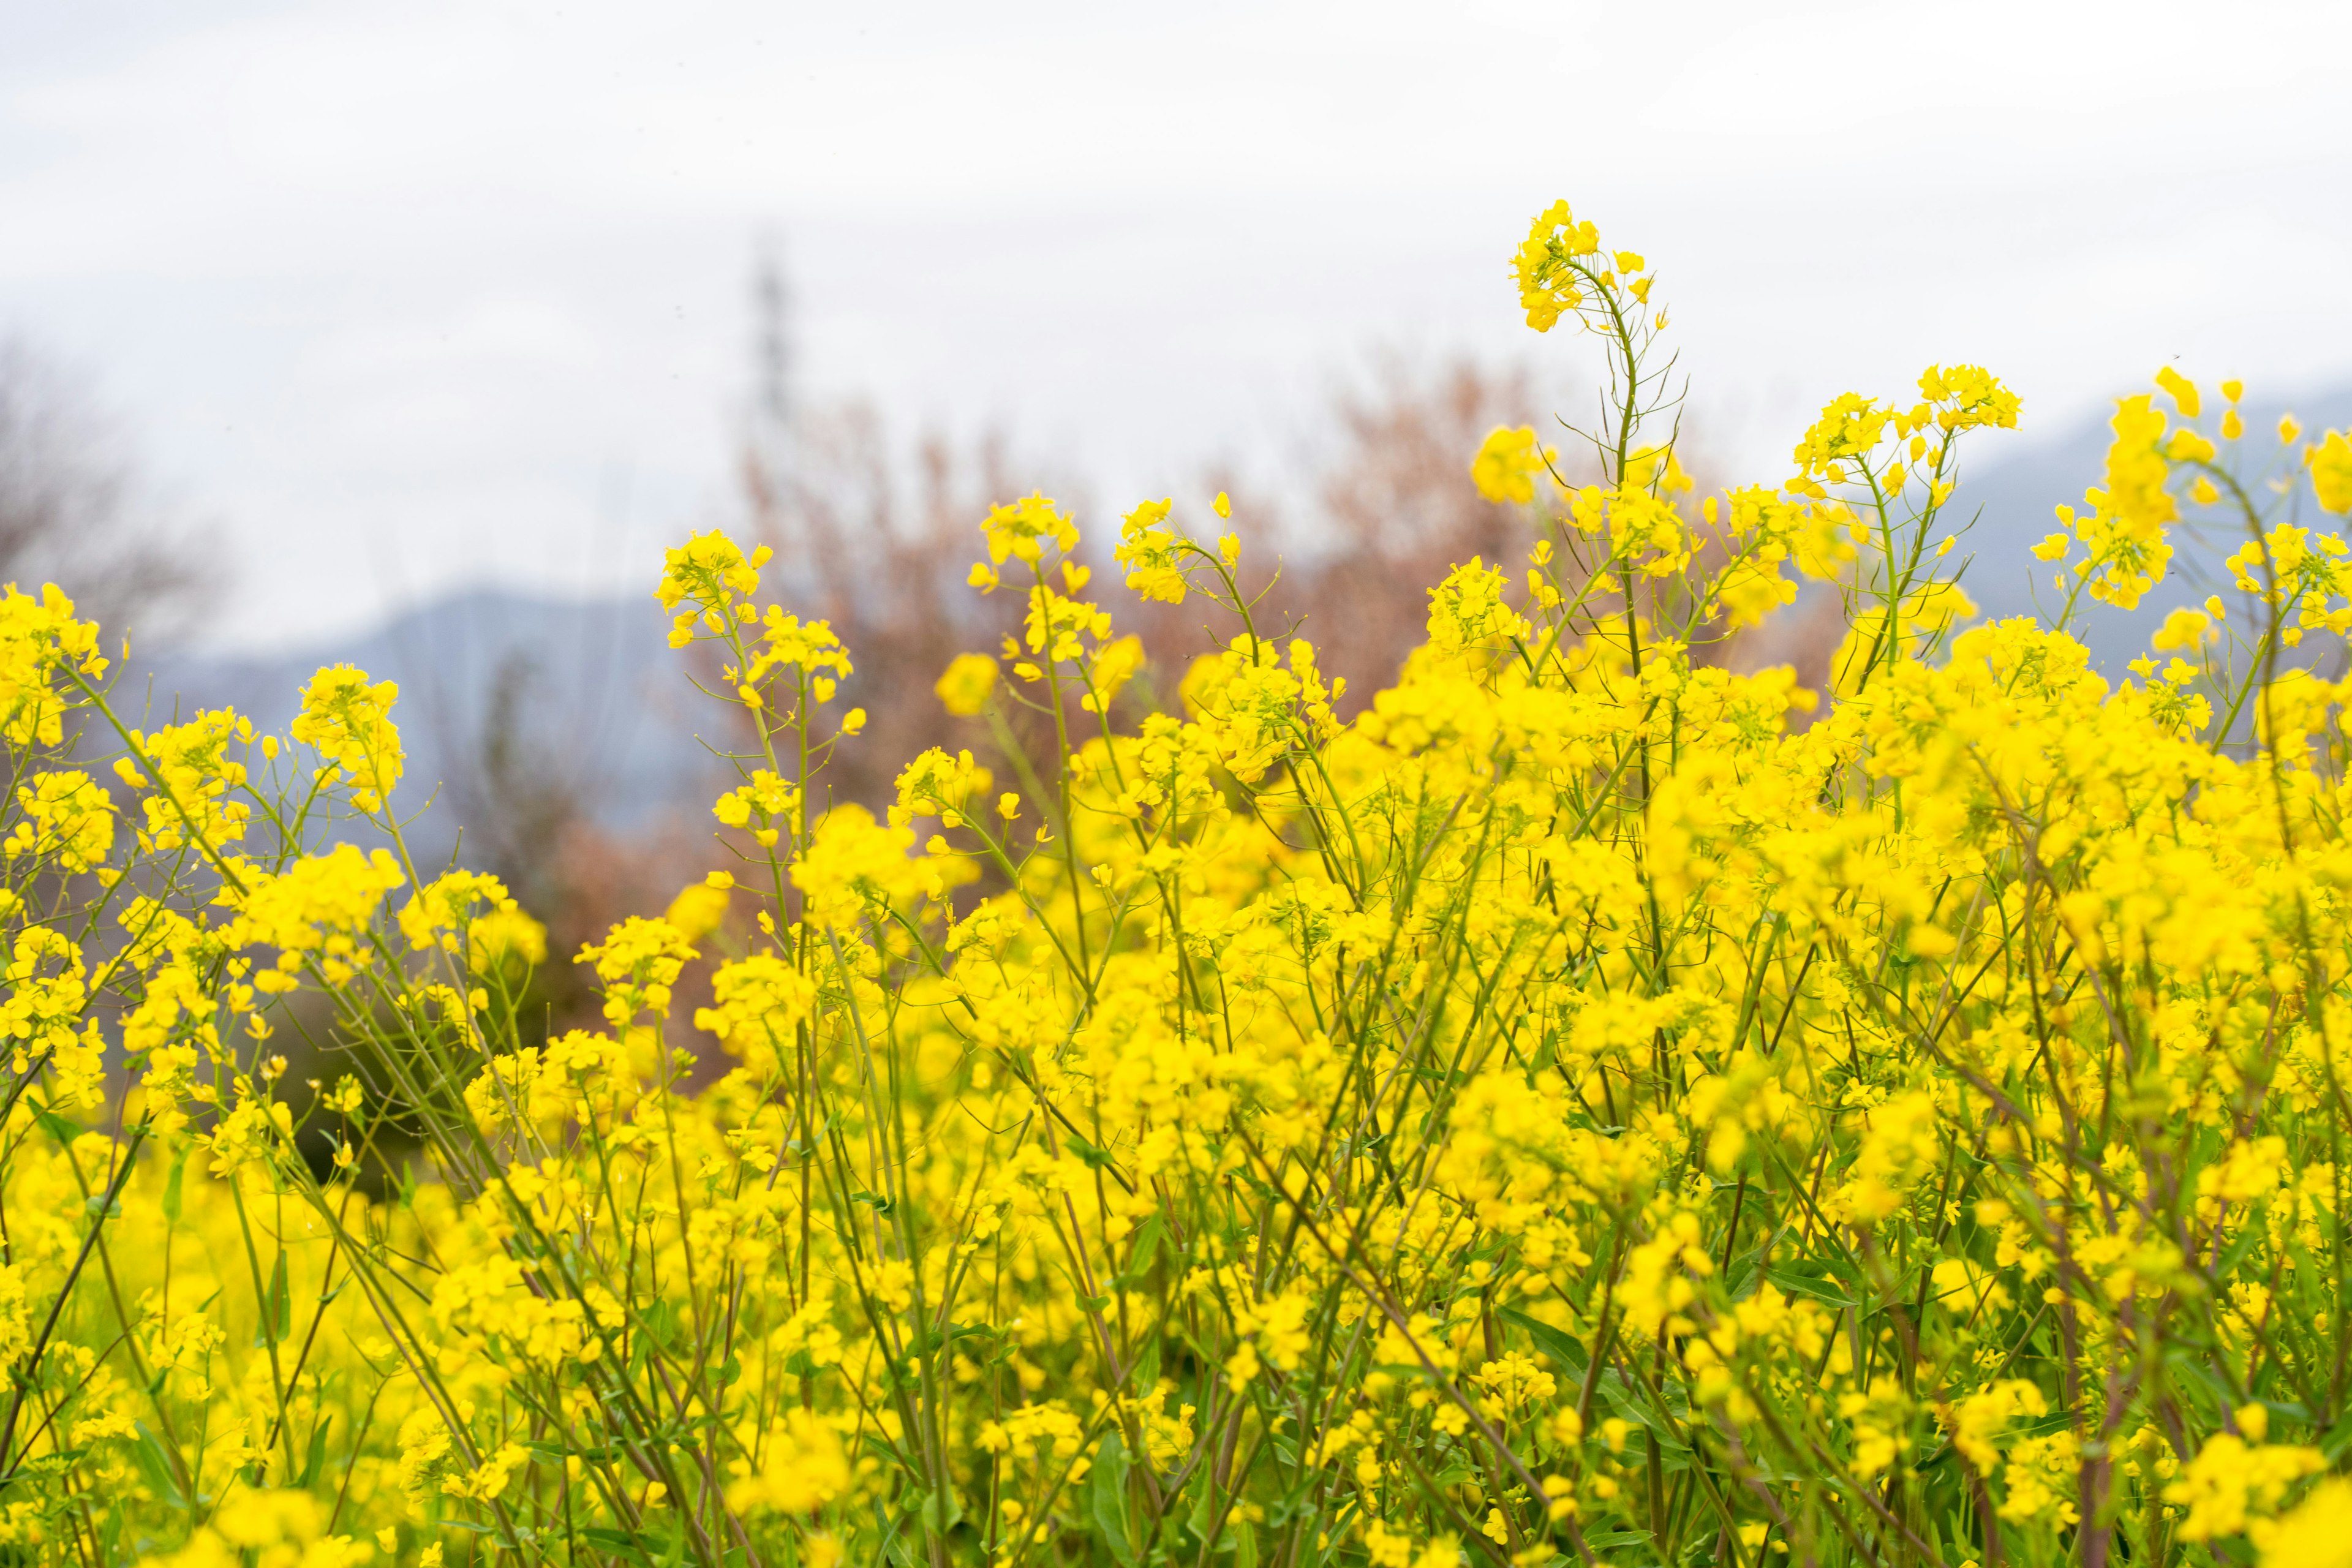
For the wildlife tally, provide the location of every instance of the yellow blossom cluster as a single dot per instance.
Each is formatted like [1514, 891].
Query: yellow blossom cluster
[1591, 1105]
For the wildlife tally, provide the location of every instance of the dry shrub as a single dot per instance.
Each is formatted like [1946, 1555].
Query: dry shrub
[879, 545]
[71, 509]
[1397, 508]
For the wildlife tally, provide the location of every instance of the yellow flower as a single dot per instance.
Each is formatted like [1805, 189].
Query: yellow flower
[445, 909]
[318, 911]
[1150, 548]
[963, 691]
[2232, 1481]
[1020, 530]
[1507, 463]
[1467, 610]
[196, 783]
[40, 641]
[2136, 470]
[2183, 628]
[1512, 1383]
[803, 1468]
[68, 820]
[349, 722]
[2331, 473]
[1970, 395]
[270, 1529]
[2183, 390]
[638, 961]
[1899, 1149]
[699, 910]
[853, 861]
[706, 575]
[2317, 1533]
[760, 1001]
[1551, 267]
[1849, 428]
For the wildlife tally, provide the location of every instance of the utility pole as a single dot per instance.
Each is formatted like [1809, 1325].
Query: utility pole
[768, 431]
[772, 350]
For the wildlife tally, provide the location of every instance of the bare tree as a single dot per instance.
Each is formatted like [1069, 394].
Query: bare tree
[1398, 510]
[879, 545]
[70, 506]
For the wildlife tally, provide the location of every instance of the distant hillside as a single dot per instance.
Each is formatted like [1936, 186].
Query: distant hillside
[595, 707]
[2015, 484]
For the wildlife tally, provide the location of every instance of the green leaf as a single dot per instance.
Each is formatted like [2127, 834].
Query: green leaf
[156, 1467]
[942, 1512]
[1564, 1351]
[1147, 1247]
[1245, 1544]
[628, 1543]
[922, 1341]
[1108, 1488]
[318, 1456]
[879, 1444]
[661, 1323]
[1810, 1277]
[1739, 1280]
[895, 1547]
[1204, 1489]
[2240, 1248]
[281, 1301]
[1602, 1539]
[172, 1187]
[1625, 1398]
[2338, 1440]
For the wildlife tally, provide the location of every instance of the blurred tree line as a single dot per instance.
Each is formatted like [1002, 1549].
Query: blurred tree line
[72, 510]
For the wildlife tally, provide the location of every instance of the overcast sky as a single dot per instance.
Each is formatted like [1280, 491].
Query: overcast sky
[411, 296]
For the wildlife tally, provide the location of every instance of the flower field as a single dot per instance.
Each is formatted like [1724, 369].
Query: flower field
[1584, 1105]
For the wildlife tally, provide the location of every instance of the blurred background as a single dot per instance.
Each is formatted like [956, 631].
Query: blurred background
[411, 336]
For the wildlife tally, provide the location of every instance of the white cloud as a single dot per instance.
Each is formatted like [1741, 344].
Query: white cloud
[414, 285]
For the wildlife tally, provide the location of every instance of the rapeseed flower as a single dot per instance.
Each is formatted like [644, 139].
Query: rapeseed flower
[1597, 1101]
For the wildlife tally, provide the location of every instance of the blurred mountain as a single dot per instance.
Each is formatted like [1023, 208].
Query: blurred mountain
[520, 714]
[2011, 501]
